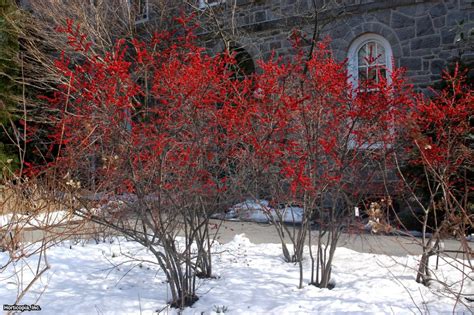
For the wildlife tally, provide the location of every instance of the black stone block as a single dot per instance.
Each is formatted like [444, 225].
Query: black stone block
[424, 26]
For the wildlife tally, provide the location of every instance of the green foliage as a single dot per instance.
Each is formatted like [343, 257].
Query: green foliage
[9, 89]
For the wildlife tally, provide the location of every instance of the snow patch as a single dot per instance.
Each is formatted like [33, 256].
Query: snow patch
[260, 211]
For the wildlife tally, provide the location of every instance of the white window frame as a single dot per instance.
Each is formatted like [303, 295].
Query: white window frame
[353, 60]
[145, 17]
[353, 71]
[203, 4]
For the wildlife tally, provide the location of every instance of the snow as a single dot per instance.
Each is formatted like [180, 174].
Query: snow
[119, 277]
[38, 220]
[260, 211]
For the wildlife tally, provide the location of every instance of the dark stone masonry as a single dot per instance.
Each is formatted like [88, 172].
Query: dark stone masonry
[423, 36]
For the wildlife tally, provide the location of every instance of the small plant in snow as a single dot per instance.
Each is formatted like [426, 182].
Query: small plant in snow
[220, 309]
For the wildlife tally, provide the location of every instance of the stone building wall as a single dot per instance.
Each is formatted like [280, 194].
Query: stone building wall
[425, 35]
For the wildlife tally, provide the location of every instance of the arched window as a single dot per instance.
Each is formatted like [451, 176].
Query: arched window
[244, 65]
[370, 57]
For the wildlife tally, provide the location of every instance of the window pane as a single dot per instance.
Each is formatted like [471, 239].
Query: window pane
[363, 74]
[382, 72]
[372, 74]
[381, 55]
[371, 61]
[362, 55]
[371, 52]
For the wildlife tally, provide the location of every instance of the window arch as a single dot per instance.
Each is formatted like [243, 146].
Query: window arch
[370, 57]
[244, 65]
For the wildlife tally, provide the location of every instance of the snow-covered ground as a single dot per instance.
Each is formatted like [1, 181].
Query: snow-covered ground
[106, 278]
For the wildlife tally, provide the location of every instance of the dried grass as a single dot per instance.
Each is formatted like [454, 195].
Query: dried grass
[26, 199]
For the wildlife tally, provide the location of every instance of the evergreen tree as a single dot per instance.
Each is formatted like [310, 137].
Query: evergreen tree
[9, 89]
